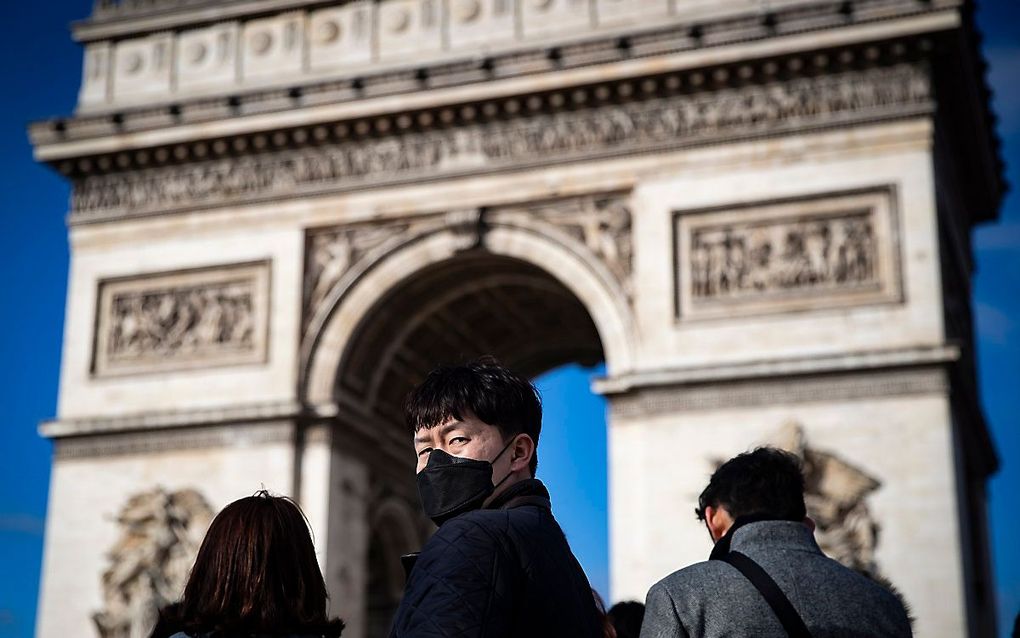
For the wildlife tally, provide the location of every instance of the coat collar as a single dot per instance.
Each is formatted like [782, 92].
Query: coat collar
[772, 535]
[527, 492]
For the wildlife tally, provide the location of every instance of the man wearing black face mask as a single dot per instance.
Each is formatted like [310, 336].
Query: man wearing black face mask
[499, 565]
[766, 576]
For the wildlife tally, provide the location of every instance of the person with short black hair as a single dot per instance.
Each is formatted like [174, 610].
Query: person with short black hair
[766, 576]
[256, 574]
[499, 564]
[766, 481]
[626, 618]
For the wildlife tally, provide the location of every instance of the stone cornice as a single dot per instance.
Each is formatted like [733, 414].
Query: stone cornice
[161, 441]
[756, 370]
[594, 50]
[251, 413]
[745, 101]
[782, 391]
[855, 377]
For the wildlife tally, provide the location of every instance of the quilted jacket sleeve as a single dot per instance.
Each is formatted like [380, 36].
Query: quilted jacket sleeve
[462, 585]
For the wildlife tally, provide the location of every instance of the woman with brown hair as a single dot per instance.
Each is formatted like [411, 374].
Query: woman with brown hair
[255, 575]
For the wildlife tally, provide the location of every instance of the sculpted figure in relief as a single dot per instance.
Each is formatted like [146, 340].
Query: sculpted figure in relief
[332, 252]
[836, 498]
[747, 260]
[160, 533]
[156, 323]
[602, 223]
[631, 126]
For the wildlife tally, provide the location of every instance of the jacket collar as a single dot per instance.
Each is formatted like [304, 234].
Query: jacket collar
[753, 535]
[527, 492]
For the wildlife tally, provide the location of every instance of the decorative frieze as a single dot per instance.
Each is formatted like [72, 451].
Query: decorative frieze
[597, 224]
[493, 143]
[206, 317]
[819, 251]
[332, 251]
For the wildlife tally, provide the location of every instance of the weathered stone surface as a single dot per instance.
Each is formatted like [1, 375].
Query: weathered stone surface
[740, 214]
[653, 125]
[149, 565]
[205, 317]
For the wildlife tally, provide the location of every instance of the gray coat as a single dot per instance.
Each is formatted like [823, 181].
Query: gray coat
[713, 599]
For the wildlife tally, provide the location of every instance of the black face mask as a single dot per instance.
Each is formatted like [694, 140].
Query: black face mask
[451, 485]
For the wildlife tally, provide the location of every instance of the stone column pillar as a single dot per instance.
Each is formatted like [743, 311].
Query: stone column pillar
[334, 495]
[347, 569]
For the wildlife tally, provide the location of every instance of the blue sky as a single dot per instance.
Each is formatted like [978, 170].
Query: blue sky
[40, 74]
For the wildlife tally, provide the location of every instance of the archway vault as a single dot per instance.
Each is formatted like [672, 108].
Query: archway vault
[474, 304]
[536, 286]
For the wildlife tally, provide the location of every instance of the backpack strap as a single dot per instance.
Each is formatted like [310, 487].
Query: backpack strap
[770, 591]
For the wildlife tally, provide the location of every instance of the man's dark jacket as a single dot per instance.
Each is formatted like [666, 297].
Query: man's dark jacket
[502, 571]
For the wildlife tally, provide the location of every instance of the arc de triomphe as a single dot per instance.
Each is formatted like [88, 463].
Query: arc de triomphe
[284, 212]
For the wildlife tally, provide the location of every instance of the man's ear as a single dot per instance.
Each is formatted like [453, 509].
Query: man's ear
[718, 520]
[521, 453]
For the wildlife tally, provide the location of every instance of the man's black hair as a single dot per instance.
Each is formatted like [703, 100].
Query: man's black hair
[626, 618]
[483, 387]
[767, 481]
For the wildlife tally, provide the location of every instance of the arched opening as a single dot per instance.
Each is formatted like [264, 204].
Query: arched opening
[458, 309]
[392, 533]
[471, 304]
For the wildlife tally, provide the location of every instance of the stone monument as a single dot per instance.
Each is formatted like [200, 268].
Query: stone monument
[757, 213]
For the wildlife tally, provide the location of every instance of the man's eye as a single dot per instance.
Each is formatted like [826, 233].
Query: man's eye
[460, 440]
[425, 451]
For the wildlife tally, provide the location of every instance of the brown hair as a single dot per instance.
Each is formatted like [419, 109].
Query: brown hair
[608, 630]
[256, 572]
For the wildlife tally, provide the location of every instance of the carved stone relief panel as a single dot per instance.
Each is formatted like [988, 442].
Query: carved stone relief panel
[583, 134]
[331, 252]
[601, 222]
[160, 533]
[814, 252]
[206, 317]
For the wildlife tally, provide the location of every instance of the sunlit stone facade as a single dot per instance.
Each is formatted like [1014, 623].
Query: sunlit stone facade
[284, 212]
